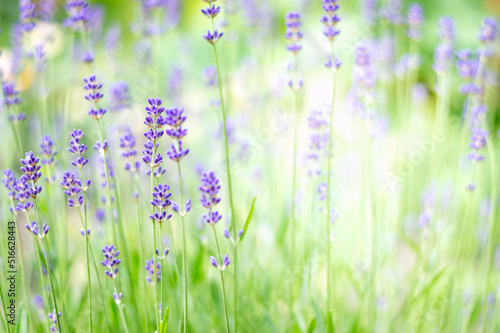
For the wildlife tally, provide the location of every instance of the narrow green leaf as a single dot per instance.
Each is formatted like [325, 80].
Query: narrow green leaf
[164, 322]
[249, 217]
[312, 326]
[329, 323]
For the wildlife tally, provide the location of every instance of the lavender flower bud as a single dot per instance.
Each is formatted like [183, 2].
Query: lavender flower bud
[111, 261]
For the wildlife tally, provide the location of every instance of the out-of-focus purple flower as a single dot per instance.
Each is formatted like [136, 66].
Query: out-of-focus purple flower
[443, 57]
[27, 15]
[211, 11]
[47, 9]
[370, 11]
[446, 30]
[150, 268]
[477, 142]
[85, 234]
[392, 13]
[330, 19]
[333, 65]
[488, 31]
[39, 58]
[47, 149]
[293, 35]
[78, 15]
[88, 58]
[318, 139]
[164, 254]
[210, 188]
[210, 75]
[111, 260]
[120, 97]
[100, 215]
[53, 317]
[127, 144]
[415, 20]
[11, 95]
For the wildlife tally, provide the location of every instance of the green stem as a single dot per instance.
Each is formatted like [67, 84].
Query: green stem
[121, 310]
[3, 309]
[222, 281]
[49, 273]
[228, 174]
[85, 228]
[154, 245]
[184, 254]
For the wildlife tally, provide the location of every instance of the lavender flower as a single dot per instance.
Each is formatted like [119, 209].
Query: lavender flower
[54, 318]
[238, 237]
[11, 95]
[477, 142]
[33, 228]
[318, 139]
[225, 262]
[160, 201]
[111, 261]
[150, 264]
[210, 188]
[446, 30]
[31, 172]
[120, 96]
[210, 75]
[330, 19]
[175, 118]
[93, 87]
[118, 298]
[293, 35]
[71, 184]
[415, 20]
[27, 15]
[214, 37]
[165, 253]
[392, 13]
[47, 150]
[127, 144]
[488, 32]
[78, 14]
[154, 121]
[443, 57]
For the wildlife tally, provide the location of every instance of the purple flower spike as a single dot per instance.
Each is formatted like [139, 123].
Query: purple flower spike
[293, 35]
[227, 234]
[150, 264]
[415, 20]
[94, 95]
[120, 97]
[477, 142]
[54, 320]
[214, 37]
[31, 168]
[111, 261]
[77, 14]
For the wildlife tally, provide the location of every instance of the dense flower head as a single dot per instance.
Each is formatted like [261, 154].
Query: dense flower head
[293, 35]
[78, 148]
[330, 19]
[33, 228]
[161, 195]
[111, 260]
[477, 142]
[78, 14]
[120, 97]
[53, 317]
[154, 120]
[47, 149]
[210, 187]
[150, 264]
[31, 167]
[93, 87]
[11, 95]
[488, 31]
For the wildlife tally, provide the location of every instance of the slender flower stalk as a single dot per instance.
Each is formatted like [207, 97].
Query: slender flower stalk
[175, 119]
[154, 121]
[11, 101]
[212, 37]
[73, 187]
[111, 263]
[210, 187]
[32, 174]
[330, 19]
[293, 36]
